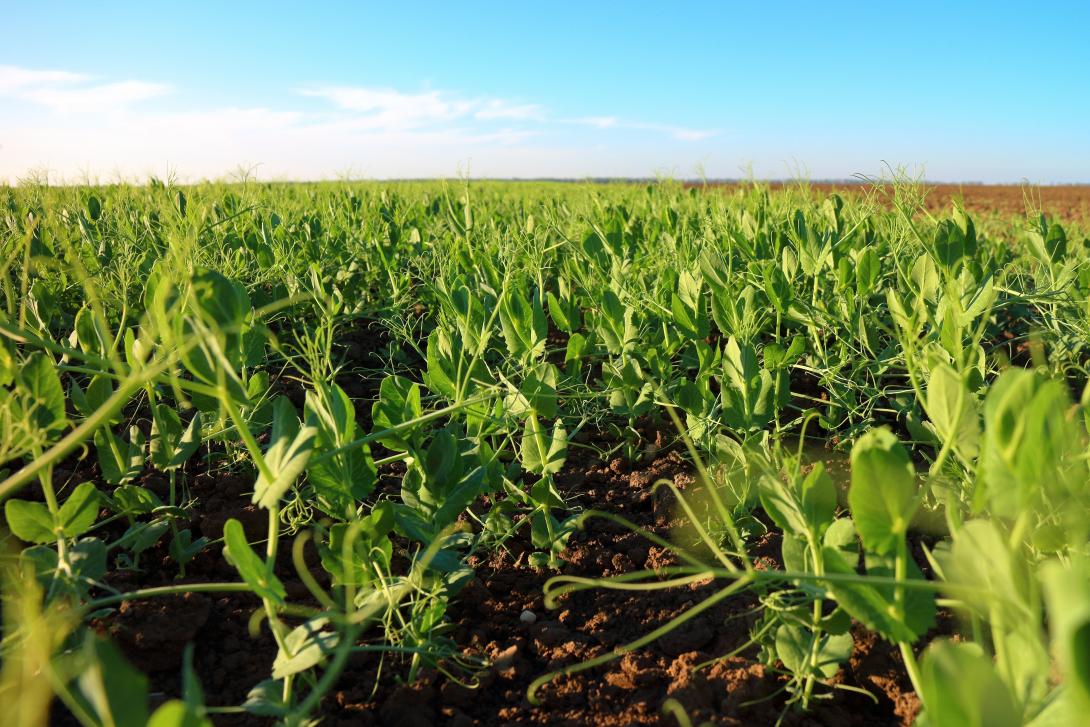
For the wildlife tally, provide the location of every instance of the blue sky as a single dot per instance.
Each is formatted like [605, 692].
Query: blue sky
[977, 92]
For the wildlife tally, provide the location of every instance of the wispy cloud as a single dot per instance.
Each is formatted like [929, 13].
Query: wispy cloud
[104, 97]
[680, 133]
[73, 123]
[496, 109]
[383, 108]
[599, 122]
[68, 92]
[14, 78]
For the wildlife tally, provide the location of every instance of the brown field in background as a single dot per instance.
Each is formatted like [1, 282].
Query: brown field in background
[1067, 202]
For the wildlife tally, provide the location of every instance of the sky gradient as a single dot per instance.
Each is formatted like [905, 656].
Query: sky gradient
[986, 92]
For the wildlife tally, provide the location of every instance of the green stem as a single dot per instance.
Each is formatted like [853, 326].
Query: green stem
[899, 598]
[329, 677]
[77, 436]
[246, 435]
[815, 621]
[398, 428]
[911, 667]
[45, 478]
[742, 582]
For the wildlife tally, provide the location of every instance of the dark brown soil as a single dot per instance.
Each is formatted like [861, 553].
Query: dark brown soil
[485, 617]
[486, 622]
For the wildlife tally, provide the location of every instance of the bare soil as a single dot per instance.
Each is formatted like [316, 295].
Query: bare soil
[486, 622]
[485, 618]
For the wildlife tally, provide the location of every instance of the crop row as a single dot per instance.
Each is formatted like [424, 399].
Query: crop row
[403, 369]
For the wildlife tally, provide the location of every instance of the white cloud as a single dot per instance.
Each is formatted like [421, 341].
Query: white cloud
[383, 108]
[693, 134]
[94, 99]
[66, 92]
[496, 109]
[612, 122]
[678, 132]
[600, 122]
[113, 127]
[14, 78]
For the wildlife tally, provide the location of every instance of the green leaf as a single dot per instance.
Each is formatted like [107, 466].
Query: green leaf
[776, 357]
[192, 692]
[398, 402]
[171, 447]
[31, 522]
[88, 559]
[287, 455]
[44, 397]
[343, 479]
[959, 686]
[867, 269]
[1067, 592]
[253, 569]
[449, 367]
[883, 492]
[222, 303]
[577, 348]
[8, 366]
[266, 699]
[115, 692]
[540, 456]
[469, 316]
[307, 646]
[176, 713]
[776, 286]
[1030, 445]
[949, 244]
[747, 394]
[818, 498]
[840, 535]
[370, 549]
[90, 333]
[134, 500]
[875, 606]
[613, 324]
[183, 548]
[142, 536]
[442, 459]
[981, 558]
[120, 461]
[441, 375]
[524, 326]
[99, 389]
[564, 308]
[794, 644]
[537, 392]
[688, 307]
[795, 553]
[953, 410]
[80, 510]
[94, 208]
[781, 505]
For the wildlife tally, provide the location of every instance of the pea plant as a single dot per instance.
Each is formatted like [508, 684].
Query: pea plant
[404, 375]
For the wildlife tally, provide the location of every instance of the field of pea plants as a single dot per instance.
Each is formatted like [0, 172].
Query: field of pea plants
[541, 453]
